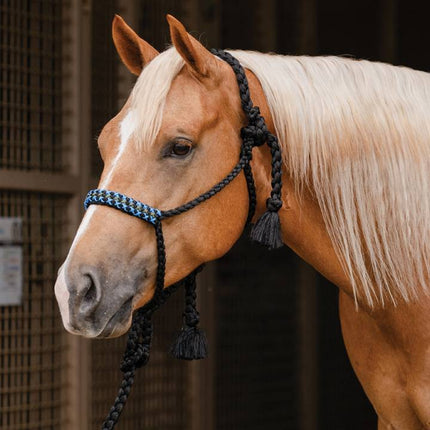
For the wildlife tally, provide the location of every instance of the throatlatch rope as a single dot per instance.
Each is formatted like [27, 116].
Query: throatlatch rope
[191, 342]
[267, 230]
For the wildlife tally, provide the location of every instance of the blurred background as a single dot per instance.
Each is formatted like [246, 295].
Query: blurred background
[277, 358]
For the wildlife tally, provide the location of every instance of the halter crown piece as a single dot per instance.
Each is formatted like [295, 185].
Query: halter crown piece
[191, 343]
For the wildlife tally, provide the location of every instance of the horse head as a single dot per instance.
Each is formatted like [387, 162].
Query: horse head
[176, 136]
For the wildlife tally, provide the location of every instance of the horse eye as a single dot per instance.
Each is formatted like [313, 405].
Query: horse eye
[181, 149]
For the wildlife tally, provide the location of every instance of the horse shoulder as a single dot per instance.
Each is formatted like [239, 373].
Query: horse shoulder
[391, 357]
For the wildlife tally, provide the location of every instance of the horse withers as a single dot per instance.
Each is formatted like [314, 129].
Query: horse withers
[356, 160]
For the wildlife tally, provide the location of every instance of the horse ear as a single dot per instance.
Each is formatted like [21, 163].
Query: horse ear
[133, 50]
[199, 60]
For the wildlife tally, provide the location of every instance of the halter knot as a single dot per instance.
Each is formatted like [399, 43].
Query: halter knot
[273, 204]
[192, 318]
[256, 130]
[257, 133]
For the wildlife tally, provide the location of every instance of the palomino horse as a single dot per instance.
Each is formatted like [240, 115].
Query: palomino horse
[355, 138]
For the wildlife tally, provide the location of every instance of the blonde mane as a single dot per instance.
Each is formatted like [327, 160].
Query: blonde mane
[358, 135]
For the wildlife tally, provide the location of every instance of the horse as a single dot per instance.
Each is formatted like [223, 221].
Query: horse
[355, 139]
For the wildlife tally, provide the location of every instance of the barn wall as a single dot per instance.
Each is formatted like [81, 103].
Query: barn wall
[33, 348]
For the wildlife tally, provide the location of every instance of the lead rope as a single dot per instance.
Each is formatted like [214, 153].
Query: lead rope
[140, 336]
[191, 342]
[139, 339]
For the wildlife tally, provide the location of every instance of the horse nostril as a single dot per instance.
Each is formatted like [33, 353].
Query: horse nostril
[91, 293]
[92, 296]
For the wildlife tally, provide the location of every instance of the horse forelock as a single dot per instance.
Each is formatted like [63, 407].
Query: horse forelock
[149, 95]
[358, 134]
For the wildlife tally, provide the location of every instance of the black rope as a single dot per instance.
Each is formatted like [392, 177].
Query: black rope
[208, 194]
[120, 400]
[267, 230]
[275, 200]
[140, 334]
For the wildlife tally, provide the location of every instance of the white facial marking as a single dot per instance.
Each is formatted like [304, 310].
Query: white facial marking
[82, 227]
[62, 295]
[61, 292]
[126, 129]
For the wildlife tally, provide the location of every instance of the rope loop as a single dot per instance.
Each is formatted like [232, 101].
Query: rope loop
[256, 129]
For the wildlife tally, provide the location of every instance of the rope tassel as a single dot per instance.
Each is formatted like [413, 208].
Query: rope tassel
[267, 230]
[191, 343]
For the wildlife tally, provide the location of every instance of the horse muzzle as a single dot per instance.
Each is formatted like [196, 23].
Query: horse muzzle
[92, 305]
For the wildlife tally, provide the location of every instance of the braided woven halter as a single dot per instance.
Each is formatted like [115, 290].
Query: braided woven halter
[191, 343]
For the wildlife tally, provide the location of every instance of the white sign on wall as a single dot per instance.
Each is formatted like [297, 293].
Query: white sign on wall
[10, 261]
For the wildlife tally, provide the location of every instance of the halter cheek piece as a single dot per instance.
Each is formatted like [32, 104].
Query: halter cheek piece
[191, 342]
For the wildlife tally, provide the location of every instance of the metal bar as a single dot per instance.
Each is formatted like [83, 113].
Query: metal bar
[38, 181]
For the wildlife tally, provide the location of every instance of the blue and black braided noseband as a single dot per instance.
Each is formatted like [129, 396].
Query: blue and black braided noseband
[191, 342]
[123, 203]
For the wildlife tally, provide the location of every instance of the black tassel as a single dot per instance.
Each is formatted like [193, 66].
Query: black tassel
[191, 343]
[267, 230]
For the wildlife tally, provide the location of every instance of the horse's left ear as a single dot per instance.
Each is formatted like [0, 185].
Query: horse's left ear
[133, 50]
[198, 59]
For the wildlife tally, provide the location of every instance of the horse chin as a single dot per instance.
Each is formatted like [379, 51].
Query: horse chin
[119, 323]
[116, 325]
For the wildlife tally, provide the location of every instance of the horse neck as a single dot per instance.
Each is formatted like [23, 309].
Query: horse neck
[303, 228]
